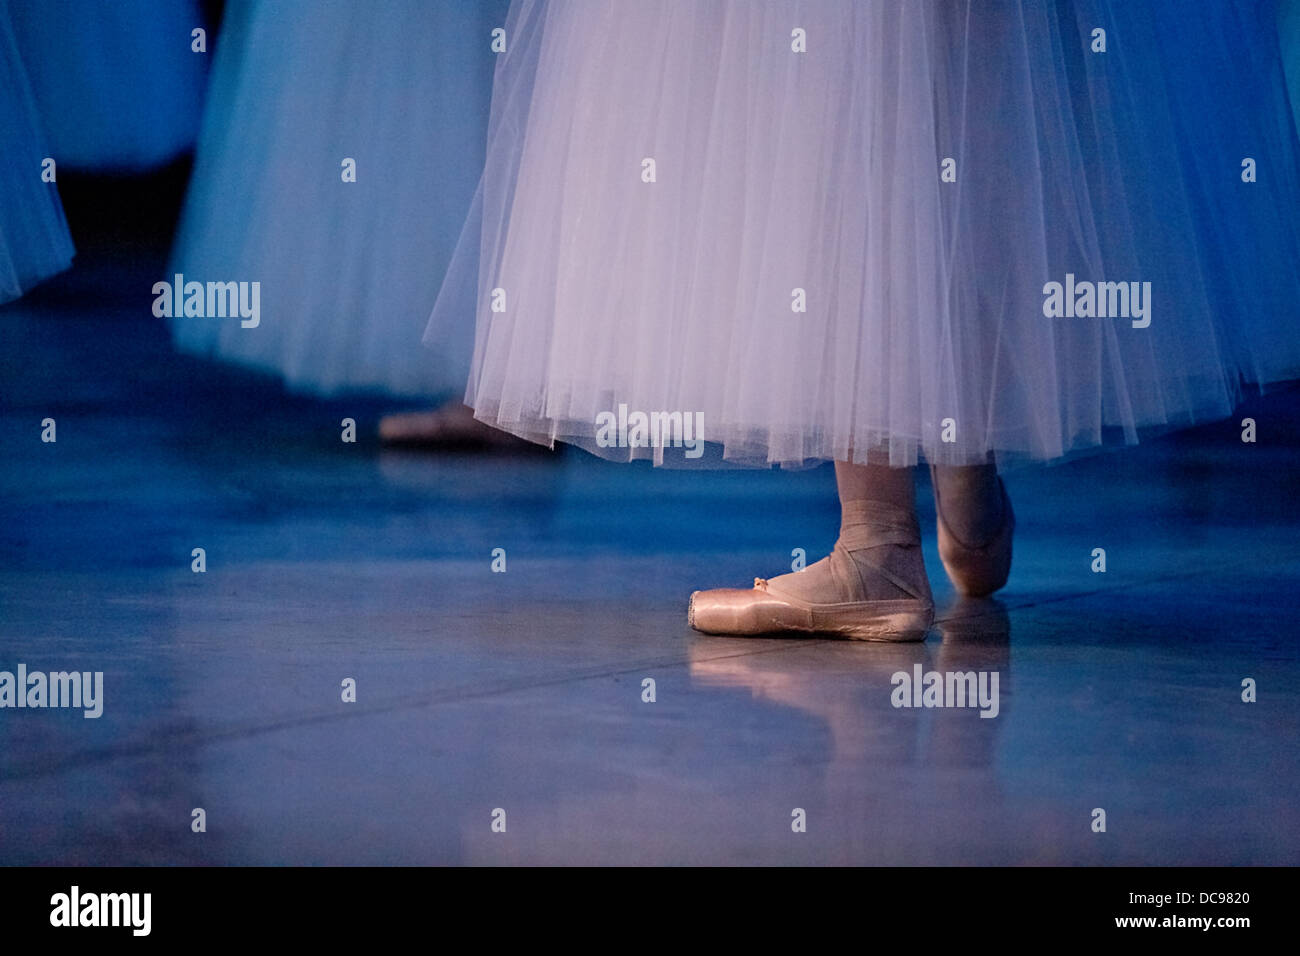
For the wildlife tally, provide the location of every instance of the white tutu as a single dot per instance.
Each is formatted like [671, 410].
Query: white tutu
[817, 179]
[34, 240]
[116, 81]
[348, 270]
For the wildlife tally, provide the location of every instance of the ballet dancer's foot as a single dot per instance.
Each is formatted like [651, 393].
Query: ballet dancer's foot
[872, 587]
[976, 525]
[451, 425]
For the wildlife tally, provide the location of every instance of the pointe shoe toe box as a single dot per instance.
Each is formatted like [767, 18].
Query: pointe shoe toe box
[978, 572]
[737, 611]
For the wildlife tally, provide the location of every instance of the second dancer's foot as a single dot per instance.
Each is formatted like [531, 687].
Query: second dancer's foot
[451, 425]
[872, 587]
[976, 526]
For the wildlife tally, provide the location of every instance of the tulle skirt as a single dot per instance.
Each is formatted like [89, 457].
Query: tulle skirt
[118, 86]
[347, 270]
[34, 240]
[925, 229]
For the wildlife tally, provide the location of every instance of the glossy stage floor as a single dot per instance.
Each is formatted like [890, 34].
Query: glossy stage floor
[522, 691]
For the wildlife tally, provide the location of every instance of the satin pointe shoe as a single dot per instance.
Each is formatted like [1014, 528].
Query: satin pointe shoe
[451, 426]
[872, 587]
[976, 572]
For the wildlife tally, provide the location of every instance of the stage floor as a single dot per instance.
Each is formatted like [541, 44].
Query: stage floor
[522, 691]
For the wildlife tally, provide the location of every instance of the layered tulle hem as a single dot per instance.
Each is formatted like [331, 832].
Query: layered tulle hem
[929, 230]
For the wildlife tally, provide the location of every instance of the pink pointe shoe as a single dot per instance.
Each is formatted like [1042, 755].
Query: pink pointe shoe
[872, 587]
[976, 572]
[451, 426]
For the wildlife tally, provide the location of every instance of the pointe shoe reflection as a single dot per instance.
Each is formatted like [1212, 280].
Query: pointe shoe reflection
[843, 685]
[979, 620]
[882, 761]
[976, 638]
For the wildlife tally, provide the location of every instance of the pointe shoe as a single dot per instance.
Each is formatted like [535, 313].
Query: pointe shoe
[784, 604]
[452, 425]
[976, 572]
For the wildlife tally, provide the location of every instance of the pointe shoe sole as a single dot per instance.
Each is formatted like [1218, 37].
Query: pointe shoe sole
[737, 613]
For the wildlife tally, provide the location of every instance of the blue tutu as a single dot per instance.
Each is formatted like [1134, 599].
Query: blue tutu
[339, 154]
[34, 240]
[1289, 32]
[117, 84]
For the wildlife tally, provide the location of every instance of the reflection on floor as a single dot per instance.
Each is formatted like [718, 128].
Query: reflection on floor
[523, 691]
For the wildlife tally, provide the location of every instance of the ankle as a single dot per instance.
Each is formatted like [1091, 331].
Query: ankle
[969, 500]
[866, 523]
[876, 536]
